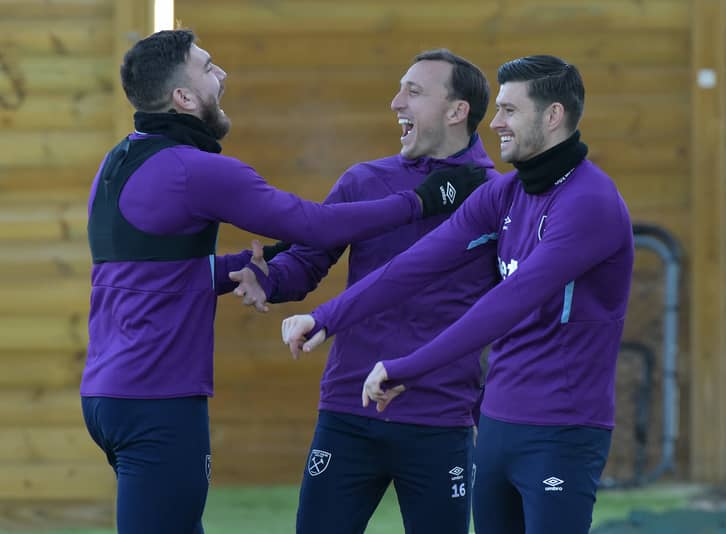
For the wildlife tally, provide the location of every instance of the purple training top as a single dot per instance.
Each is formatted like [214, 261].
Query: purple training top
[444, 397]
[556, 319]
[151, 323]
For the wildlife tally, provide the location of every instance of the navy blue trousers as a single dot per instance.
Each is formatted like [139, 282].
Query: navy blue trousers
[536, 479]
[159, 450]
[353, 460]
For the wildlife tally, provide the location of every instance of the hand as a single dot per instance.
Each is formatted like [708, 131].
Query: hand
[444, 190]
[293, 334]
[249, 288]
[373, 391]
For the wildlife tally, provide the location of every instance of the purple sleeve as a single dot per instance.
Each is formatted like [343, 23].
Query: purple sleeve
[225, 189]
[223, 265]
[298, 271]
[459, 240]
[573, 244]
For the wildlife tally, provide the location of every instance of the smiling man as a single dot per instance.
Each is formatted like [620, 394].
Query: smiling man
[154, 209]
[422, 445]
[565, 250]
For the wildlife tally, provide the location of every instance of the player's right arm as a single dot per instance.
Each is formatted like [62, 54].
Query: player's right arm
[224, 189]
[464, 237]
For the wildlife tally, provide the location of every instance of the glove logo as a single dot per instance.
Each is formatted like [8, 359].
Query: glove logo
[448, 193]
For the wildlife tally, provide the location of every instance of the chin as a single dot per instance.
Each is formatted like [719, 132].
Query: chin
[410, 153]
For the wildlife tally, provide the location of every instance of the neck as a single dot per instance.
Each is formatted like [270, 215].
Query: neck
[453, 145]
[540, 173]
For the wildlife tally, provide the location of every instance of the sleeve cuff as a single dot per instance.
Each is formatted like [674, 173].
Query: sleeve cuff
[262, 279]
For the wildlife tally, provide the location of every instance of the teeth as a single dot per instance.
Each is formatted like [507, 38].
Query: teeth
[405, 121]
[505, 138]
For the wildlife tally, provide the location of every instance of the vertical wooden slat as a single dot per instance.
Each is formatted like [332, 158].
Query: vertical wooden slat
[133, 20]
[708, 243]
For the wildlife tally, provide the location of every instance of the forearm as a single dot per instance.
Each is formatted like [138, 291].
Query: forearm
[299, 271]
[223, 265]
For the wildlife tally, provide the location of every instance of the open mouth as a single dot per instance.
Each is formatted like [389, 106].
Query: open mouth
[407, 126]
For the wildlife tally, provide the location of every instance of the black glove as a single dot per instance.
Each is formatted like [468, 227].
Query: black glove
[270, 251]
[445, 189]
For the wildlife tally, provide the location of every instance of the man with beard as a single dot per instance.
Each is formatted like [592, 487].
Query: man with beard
[154, 211]
[565, 250]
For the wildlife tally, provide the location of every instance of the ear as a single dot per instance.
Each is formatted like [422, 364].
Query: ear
[458, 112]
[555, 116]
[183, 100]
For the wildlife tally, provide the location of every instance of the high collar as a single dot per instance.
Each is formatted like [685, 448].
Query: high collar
[182, 127]
[541, 172]
[473, 153]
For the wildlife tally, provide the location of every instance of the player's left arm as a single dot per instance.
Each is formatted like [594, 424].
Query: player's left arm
[578, 236]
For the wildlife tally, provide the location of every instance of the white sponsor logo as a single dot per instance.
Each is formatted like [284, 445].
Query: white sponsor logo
[507, 269]
[553, 484]
[507, 222]
[318, 462]
[456, 473]
[448, 193]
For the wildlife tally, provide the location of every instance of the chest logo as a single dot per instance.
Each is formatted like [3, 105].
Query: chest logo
[507, 269]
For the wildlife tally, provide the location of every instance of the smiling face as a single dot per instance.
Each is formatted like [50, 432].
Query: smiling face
[204, 88]
[426, 114]
[520, 126]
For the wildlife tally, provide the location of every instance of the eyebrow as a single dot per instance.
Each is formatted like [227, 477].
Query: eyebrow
[412, 84]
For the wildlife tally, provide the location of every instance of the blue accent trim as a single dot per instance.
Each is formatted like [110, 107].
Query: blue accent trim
[482, 240]
[567, 306]
[211, 267]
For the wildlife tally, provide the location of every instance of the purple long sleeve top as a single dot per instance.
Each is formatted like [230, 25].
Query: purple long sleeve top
[444, 397]
[555, 320]
[151, 323]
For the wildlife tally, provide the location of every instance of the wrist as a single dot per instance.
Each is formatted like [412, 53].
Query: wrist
[262, 279]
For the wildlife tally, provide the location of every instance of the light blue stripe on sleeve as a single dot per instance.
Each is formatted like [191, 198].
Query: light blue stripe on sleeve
[567, 306]
[211, 266]
[482, 240]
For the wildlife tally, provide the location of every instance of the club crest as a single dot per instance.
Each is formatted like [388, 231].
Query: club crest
[208, 467]
[318, 462]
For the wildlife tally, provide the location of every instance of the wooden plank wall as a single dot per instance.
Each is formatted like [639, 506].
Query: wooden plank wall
[309, 88]
[58, 99]
[707, 425]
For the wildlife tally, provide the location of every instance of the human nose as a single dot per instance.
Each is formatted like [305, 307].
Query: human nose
[497, 121]
[397, 102]
[221, 74]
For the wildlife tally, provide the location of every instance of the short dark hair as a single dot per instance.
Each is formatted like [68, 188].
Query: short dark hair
[551, 79]
[467, 83]
[152, 66]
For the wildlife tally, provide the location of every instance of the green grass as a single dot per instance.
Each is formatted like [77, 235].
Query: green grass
[271, 510]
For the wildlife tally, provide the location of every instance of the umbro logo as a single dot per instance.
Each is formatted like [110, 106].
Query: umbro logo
[448, 193]
[553, 484]
[456, 473]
